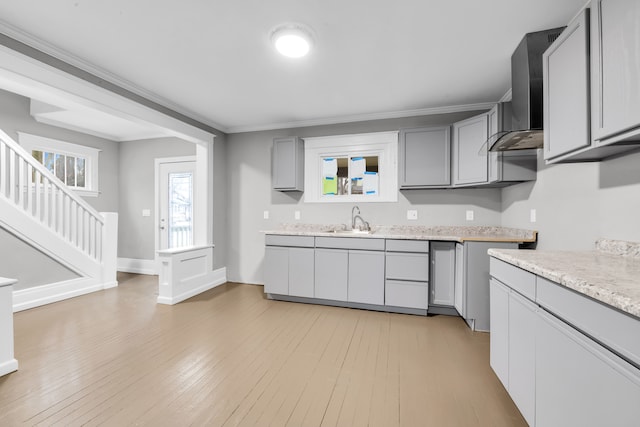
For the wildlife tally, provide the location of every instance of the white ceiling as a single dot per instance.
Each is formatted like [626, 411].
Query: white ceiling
[212, 59]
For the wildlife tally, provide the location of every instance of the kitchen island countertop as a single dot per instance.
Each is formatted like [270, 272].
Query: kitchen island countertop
[609, 274]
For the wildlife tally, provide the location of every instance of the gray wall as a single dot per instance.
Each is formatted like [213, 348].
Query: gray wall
[249, 194]
[136, 236]
[30, 266]
[15, 117]
[136, 233]
[578, 203]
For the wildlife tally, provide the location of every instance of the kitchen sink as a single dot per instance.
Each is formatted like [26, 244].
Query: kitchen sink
[352, 232]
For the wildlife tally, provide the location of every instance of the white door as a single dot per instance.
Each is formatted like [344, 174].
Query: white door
[176, 185]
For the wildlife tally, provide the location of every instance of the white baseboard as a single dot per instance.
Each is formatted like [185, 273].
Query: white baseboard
[137, 266]
[8, 367]
[215, 278]
[24, 299]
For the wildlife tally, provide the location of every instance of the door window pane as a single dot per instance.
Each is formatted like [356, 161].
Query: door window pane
[180, 209]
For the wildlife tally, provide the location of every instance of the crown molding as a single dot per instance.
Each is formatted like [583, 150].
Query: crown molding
[506, 97]
[362, 117]
[67, 57]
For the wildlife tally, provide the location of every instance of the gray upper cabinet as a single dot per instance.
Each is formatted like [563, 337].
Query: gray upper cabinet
[566, 90]
[470, 165]
[615, 44]
[287, 167]
[424, 157]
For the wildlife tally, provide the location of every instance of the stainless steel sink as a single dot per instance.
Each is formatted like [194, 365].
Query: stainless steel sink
[352, 232]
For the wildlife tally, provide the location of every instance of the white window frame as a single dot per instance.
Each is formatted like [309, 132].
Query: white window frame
[91, 155]
[384, 145]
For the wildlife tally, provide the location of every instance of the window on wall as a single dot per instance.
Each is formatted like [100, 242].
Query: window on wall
[75, 165]
[351, 168]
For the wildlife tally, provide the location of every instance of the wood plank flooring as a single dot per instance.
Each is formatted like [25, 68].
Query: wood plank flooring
[231, 357]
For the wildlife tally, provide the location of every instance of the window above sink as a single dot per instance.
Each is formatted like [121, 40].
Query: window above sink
[351, 168]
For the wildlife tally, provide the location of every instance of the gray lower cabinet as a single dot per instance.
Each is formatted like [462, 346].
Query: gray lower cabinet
[366, 277]
[289, 265]
[331, 274]
[499, 337]
[473, 261]
[512, 344]
[424, 157]
[442, 281]
[407, 274]
[459, 282]
[580, 383]
[555, 373]
[301, 272]
[276, 270]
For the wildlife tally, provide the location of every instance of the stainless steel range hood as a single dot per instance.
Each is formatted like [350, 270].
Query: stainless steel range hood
[526, 94]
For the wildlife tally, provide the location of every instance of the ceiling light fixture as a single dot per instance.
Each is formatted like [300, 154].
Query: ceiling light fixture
[292, 40]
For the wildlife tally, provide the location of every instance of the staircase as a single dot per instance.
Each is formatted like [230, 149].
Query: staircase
[39, 209]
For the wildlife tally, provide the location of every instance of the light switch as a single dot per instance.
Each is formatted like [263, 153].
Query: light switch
[265, 214]
[412, 214]
[469, 215]
[296, 214]
[532, 215]
[146, 212]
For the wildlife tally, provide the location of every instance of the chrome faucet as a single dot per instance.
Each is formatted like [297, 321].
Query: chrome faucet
[355, 215]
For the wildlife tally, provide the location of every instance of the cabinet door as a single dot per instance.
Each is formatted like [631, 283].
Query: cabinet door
[301, 272]
[522, 319]
[425, 157]
[460, 288]
[331, 274]
[470, 165]
[499, 336]
[443, 260]
[287, 168]
[276, 270]
[495, 171]
[366, 277]
[615, 47]
[579, 382]
[566, 90]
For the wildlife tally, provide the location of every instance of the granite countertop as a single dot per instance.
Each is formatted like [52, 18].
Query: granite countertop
[413, 232]
[609, 274]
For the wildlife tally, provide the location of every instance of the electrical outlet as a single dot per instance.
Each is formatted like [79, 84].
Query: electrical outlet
[532, 215]
[412, 214]
[265, 214]
[296, 214]
[469, 215]
[146, 212]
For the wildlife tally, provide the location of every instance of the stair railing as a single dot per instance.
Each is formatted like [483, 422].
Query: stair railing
[32, 188]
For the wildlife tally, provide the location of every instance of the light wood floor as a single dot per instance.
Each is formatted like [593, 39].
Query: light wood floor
[232, 357]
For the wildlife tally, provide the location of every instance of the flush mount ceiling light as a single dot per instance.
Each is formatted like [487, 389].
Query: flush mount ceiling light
[292, 40]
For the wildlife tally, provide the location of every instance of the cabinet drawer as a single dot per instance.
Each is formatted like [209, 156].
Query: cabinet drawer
[404, 266]
[350, 243]
[516, 278]
[292, 241]
[406, 294]
[616, 330]
[407, 246]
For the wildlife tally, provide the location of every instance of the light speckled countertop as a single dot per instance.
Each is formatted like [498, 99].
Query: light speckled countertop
[413, 232]
[609, 274]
